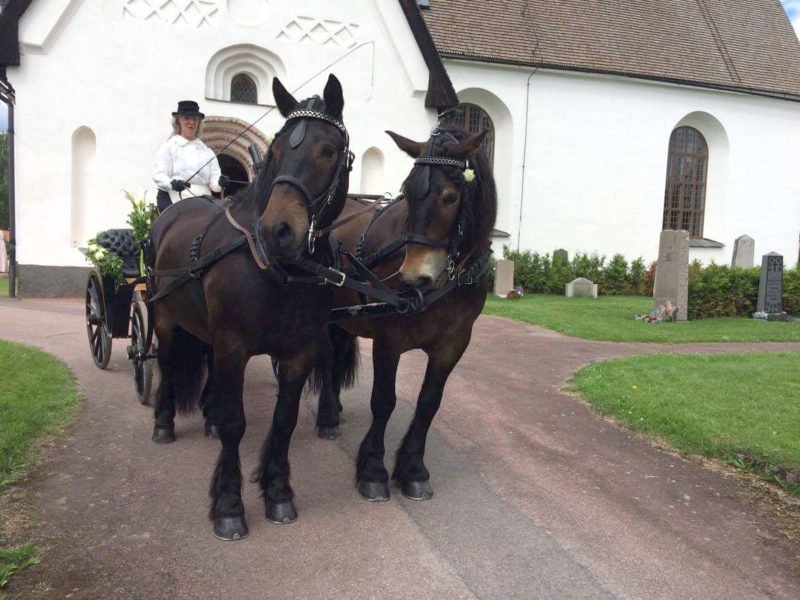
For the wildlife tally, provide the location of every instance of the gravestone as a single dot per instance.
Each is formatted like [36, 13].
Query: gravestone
[770, 286]
[672, 272]
[504, 277]
[743, 252]
[580, 287]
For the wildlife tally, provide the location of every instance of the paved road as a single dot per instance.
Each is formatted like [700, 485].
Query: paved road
[536, 497]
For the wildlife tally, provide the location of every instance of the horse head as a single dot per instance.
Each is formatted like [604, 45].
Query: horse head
[451, 204]
[307, 172]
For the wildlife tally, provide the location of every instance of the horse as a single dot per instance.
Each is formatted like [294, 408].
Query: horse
[242, 303]
[443, 222]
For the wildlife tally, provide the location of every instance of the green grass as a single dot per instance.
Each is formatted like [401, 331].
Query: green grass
[740, 408]
[37, 396]
[13, 561]
[3, 285]
[611, 318]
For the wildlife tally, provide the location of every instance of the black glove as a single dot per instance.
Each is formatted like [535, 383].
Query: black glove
[224, 181]
[178, 185]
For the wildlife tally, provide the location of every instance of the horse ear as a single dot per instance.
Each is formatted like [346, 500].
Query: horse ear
[285, 101]
[334, 99]
[469, 146]
[410, 147]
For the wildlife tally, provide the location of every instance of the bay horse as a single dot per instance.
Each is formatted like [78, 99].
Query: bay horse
[436, 236]
[236, 299]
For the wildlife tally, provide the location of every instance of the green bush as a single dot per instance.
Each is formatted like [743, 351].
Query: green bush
[721, 291]
[615, 276]
[637, 278]
[791, 291]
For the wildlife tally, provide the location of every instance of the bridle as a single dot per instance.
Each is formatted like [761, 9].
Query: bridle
[423, 187]
[319, 205]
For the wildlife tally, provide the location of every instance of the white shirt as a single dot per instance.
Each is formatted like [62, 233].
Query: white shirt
[179, 158]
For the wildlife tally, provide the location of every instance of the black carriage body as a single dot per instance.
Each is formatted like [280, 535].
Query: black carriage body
[118, 299]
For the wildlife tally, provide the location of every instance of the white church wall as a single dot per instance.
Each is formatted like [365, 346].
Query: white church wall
[595, 161]
[119, 68]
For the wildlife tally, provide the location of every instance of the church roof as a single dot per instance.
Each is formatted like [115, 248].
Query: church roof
[745, 45]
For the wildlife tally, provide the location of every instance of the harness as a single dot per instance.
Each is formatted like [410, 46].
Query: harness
[358, 275]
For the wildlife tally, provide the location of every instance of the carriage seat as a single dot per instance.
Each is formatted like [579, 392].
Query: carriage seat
[120, 242]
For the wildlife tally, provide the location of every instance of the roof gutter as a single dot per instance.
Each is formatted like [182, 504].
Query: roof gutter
[441, 94]
[775, 95]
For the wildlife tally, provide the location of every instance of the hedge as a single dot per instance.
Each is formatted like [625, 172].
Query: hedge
[714, 290]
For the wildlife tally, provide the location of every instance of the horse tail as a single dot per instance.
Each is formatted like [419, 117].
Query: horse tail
[188, 367]
[340, 354]
[348, 371]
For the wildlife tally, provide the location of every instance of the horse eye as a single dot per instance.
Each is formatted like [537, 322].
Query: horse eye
[328, 151]
[450, 198]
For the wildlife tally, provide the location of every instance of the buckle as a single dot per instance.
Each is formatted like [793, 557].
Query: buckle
[339, 283]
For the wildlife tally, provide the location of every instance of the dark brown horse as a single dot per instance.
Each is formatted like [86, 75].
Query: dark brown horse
[240, 309]
[441, 230]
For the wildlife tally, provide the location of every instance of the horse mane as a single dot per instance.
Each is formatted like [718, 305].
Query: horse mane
[481, 202]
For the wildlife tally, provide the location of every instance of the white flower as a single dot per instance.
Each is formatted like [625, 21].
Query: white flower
[469, 175]
[100, 253]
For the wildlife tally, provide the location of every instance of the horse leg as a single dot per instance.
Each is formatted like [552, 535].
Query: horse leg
[410, 472]
[273, 471]
[335, 368]
[164, 409]
[371, 474]
[206, 400]
[227, 509]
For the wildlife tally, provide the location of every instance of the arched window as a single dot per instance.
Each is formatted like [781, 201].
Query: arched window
[83, 186]
[474, 119]
[372, 172]
[685, 193]
[244, 89]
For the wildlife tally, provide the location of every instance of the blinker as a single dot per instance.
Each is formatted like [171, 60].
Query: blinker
[298, 134]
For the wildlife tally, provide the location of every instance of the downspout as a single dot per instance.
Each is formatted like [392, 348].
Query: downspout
[7, 96]
[524, 156]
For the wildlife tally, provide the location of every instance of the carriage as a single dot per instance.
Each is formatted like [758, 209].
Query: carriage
[118, 310]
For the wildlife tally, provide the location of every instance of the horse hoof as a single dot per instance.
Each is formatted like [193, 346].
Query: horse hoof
[163, 435]
[281, 513]
[230, 528]
[329, 433]
[374, 491]
[417, 490]
[211, 431]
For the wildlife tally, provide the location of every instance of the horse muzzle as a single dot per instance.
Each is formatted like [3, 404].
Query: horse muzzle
[283, 228]
[422, 267]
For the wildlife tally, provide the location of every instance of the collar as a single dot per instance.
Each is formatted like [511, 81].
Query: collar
[182, 141]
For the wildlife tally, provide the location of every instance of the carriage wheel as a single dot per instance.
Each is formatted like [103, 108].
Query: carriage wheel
[137, 352]
[97, 321]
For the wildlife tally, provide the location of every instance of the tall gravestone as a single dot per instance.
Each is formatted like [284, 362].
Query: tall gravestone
[743, 252]
[560, 256]
[770, 286]
[504, 277]
[672, 272]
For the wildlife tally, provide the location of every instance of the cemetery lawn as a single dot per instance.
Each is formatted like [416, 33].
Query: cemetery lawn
[611, 318]
[37, 396]
[3, 285]
[739, 408]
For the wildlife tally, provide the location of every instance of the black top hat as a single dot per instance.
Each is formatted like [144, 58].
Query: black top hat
[188, 108]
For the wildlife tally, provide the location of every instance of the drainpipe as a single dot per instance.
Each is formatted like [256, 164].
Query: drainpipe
[524, 156]
[7, 96]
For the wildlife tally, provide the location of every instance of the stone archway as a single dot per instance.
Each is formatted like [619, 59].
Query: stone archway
[218, 133]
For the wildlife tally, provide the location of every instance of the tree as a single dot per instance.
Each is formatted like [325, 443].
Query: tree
[3, 180]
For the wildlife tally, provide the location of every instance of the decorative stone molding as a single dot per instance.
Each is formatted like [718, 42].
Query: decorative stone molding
[258, 63]
[321, 32]
[219, 131]
[200, 14]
